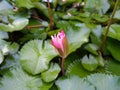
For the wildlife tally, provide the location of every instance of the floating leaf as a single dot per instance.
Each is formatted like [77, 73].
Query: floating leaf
[13, 48]
[16, 25]
[73, 83]
[112, 67]
[24, 3]
[69, 2]
[101, 61]
[117, 13]
[96, 35]
[9, 62]
[99, 18]
[114, 31]
[52, 73]
[114, 48]
[4, 47]
[77, 34]
[76, 68]
[92, 48]
[5, 8]
[90, 63]
[1, 57]
[17, 79]
[104, 82]
[3, 35]
[41, 8]
[35, 58]
[97, 6]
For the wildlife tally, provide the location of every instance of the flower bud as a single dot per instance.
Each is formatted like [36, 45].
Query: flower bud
[60, 43]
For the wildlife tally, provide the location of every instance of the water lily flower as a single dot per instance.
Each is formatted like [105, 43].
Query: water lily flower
[60, 43]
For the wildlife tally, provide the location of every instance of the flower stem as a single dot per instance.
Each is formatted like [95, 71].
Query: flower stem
[62, 66]
[50, 14]
[108, 26]
[34, 26]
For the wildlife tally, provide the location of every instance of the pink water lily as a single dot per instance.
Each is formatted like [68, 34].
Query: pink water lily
[60, 43]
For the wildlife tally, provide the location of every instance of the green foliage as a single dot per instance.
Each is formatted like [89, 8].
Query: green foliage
[114, 48]
[73, 83]
[112, 67]
[24, 3]
[114, 31]
[51, 74]
[98, 6]
[92, 48]
[89, 63]
[1, 57]
[117, 13]
[104, 82]
[5, 8]
[17, 79]
[77, 34]
[76, 68]
[92, 82]
[17, 24]
[36, 55]
[3, 35]
[28, 61]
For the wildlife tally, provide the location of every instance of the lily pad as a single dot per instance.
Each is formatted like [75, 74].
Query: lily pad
[73, 83]
[35, 58]
[77, 34]
[16, 25]
[17, 79]
[90, 63]
[52, 73]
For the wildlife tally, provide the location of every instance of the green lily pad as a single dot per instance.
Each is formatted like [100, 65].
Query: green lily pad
[35, 56]
[3, 35]
[92, 48]
[90, 63]
[104, 81]
[17, 79]
[114, 48]
[114, 31]
[117, 13]
[5, 8]
[112, 67]
[24, 3]
[1, 57]
[52, 73]
[16, 25]
[77, 34]
[76, 68]
[73, 83]
[97, 6]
